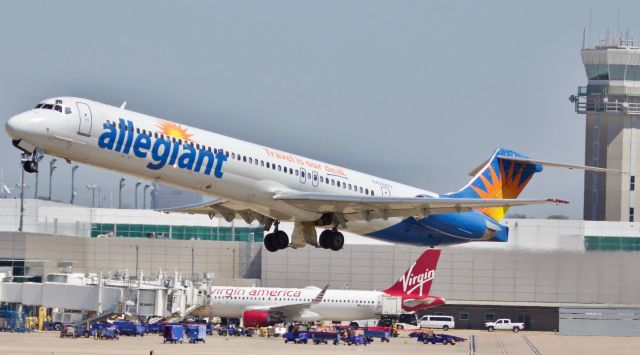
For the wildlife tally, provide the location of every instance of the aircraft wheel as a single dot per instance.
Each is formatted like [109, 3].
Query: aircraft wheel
[337, 241]
[270, 243]
[281, 239]
[30, 166]
[324, 238]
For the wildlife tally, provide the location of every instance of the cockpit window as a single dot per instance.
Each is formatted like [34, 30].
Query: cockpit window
[57, 107]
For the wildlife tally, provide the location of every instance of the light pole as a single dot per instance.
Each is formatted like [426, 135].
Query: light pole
[122, 180]
[136, 193]
[93, 194]
[24, 158]
[73, 186]
[144, 196]
[35, 193]
[52, 168]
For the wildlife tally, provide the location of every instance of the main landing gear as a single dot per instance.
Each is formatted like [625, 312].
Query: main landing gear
[276, 240]
[331, 239]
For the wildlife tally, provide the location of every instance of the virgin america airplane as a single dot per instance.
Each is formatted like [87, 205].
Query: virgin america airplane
[269, 185]
[263, 306]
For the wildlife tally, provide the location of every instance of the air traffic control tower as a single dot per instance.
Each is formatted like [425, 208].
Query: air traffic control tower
[611, 104]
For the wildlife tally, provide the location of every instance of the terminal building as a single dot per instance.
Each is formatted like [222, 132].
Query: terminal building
[550, 274]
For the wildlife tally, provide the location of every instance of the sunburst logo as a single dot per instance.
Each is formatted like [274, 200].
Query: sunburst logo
[174, 130]
[508, 185]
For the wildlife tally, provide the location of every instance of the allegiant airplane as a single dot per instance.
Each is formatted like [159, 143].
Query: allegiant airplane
[269, 185]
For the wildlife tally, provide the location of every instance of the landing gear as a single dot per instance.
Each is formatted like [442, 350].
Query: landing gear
[30, 166]
[276, 240]
[30, 161]
[331, 239]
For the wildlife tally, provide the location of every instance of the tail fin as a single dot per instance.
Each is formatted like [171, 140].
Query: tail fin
[499, 177]
[417, 280]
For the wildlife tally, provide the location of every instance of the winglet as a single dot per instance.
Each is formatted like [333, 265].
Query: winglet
[320, 295]
[124, 105]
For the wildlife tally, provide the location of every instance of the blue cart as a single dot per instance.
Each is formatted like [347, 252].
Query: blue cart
[358, 340]
[325, 337]
[109, 333]
[443, 339]
[296, 338]
[173, 333]
[383, 334]
[196, 333]
[129, 328]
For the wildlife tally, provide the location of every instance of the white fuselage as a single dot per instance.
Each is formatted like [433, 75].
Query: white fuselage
[247, 177]
[336, 305]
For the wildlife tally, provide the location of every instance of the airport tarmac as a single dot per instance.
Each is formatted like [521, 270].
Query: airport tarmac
[499, 343]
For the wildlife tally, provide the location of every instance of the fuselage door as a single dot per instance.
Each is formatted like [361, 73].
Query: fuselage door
[385, 192]
[314, 178]
[84, 114]
[303, 176]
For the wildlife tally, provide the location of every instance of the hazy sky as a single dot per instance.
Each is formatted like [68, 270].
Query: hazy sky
[415, 91]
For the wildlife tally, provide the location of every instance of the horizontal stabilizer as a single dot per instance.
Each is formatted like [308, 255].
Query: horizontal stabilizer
[560, 165]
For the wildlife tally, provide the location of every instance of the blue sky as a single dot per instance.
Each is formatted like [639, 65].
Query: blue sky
[415, 91]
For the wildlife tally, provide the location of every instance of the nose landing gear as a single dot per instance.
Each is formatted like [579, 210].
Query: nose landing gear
[30, 161]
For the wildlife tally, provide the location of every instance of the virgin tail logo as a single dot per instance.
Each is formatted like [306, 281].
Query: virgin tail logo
[417, 280]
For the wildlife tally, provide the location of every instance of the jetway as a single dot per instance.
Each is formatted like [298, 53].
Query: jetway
[156, 297]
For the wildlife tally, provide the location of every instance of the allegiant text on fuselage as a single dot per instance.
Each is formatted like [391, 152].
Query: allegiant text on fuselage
[179, 154]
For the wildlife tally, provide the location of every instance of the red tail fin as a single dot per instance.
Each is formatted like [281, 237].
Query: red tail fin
[417, 280]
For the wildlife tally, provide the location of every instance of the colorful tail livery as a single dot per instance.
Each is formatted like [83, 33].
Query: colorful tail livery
[414, 285]
[505, 175]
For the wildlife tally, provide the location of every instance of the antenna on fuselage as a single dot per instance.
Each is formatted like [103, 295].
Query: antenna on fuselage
[124, 105]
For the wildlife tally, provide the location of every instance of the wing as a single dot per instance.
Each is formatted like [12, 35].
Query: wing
[226, 209]
[290, 311]
[397, 206]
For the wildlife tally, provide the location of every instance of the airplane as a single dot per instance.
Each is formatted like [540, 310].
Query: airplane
[264, 306]
[268, 185]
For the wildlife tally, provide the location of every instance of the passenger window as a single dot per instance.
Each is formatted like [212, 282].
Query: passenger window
[233, 155]
[291, 171]
[321, 179]
[284, 169]
[273, 166]
[309, 175]
[250, 161]
[279, 167]
[315, 177]
[372, 194]
[268, 165]
[244, 159]
[296, 172]
[349, 187]
[366, 191]
[360, 189]
[344, 186]
[239, 157]
[261, 162]
[333, 182]
[338, 183]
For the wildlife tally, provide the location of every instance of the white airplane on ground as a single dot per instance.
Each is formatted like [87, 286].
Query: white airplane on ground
[262, 306]
[269, 185]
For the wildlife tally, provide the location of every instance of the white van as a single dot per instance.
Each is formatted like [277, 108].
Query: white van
[437, 322]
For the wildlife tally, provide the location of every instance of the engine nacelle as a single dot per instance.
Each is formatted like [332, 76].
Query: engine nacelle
[257, 319]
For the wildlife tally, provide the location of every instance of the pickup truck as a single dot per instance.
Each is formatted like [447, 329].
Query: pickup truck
[504, 324]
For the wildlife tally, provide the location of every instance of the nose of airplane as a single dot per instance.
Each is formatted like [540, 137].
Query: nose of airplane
[16, 126]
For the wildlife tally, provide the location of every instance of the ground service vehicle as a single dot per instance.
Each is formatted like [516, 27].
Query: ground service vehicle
[504, 324]
[437, 322]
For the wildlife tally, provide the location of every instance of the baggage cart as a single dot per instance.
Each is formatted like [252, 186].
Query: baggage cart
[173, 333]
[196, 333]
